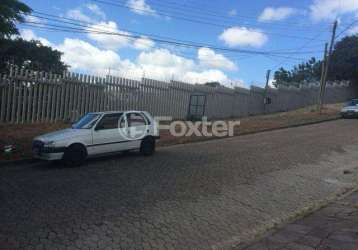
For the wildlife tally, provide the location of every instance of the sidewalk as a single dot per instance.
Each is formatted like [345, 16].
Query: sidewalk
[333, 227]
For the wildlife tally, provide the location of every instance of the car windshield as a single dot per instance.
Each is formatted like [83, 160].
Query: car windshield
[352, 103]
[86, 122]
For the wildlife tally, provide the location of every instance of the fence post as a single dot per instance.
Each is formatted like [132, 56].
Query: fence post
[35, 87]
[19, 97]
[44, 97]
[48, 97]
[14, 99]
[75, 110]
[40, 96]
[3, 98]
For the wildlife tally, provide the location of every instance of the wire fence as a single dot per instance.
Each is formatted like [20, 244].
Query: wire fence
[33, 97]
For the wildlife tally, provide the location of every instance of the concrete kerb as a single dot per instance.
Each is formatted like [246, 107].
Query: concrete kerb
[304, 212]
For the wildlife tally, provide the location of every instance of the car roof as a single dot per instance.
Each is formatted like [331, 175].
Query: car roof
[114, 112]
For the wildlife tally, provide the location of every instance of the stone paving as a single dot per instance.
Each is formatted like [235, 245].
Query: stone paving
[208, 195]
[334, 227]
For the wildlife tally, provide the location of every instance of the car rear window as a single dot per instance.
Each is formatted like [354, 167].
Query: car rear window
[135, 120]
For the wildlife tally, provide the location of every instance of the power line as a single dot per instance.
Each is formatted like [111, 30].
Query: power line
[184, 55]
[87, 24]
[159, 40]
[347, 28]
[185, 9]
[193, 20]
[81, 30]
[298, 49]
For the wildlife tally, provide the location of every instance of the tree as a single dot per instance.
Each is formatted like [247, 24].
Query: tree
[30, 55]
[282, 76]
[213, 84]
[344, 63]
[16, 51]
[11, 12]
[301, 73]
[343, 66]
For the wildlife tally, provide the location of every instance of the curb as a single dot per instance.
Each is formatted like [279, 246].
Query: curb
[292, 126]
[31, 160]
[297, 215]
[255, 132]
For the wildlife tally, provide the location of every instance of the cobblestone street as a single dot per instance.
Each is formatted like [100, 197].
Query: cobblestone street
[333, 227]
[217, 194]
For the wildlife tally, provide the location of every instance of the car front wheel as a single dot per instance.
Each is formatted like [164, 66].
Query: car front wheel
[147, 146]
[75, 155]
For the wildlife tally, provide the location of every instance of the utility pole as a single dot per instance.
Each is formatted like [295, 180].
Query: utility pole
[323, 67]
[327, 63]
[266, 89]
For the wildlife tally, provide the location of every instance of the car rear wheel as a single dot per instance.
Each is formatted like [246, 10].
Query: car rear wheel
[75, 155]
[147, 147]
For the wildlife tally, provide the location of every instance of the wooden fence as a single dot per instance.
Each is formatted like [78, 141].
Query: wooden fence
[33, 97]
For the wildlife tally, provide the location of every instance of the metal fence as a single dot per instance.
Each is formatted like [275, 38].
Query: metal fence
[32, 97]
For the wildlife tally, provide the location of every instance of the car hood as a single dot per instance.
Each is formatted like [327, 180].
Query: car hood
[62, 134]
[350, 108]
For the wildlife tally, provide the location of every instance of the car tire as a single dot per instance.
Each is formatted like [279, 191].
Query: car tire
[147, 146]
[75, 155]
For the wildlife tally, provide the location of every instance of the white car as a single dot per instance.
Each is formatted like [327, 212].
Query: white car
[99, 133]
[350, 110]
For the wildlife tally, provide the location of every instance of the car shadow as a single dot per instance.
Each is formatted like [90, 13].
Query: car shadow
[46, 165]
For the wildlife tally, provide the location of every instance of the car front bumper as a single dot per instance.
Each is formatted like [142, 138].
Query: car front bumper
[40, 151]
[349, 114]
[48, 156]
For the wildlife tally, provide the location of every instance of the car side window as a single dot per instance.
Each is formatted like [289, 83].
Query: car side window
[109, 121]
[135, 120]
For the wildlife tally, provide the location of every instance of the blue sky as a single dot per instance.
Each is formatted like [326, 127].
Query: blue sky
[296, 29]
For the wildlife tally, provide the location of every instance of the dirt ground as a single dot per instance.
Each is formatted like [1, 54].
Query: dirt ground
[19, 136]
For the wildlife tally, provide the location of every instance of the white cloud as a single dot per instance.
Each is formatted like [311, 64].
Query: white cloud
[81, 55]
[276, 14]
[33, 19]
[96, 10]
[78, 15]
[29, 35]
[109, 41]
[212, 75]
[141, 7]
[92, 13]
[160, 64]
[331, 9]
[242, 36]
[143, 43]
[232, 12]
[272, 83]
[123, 39]
[208, 58]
